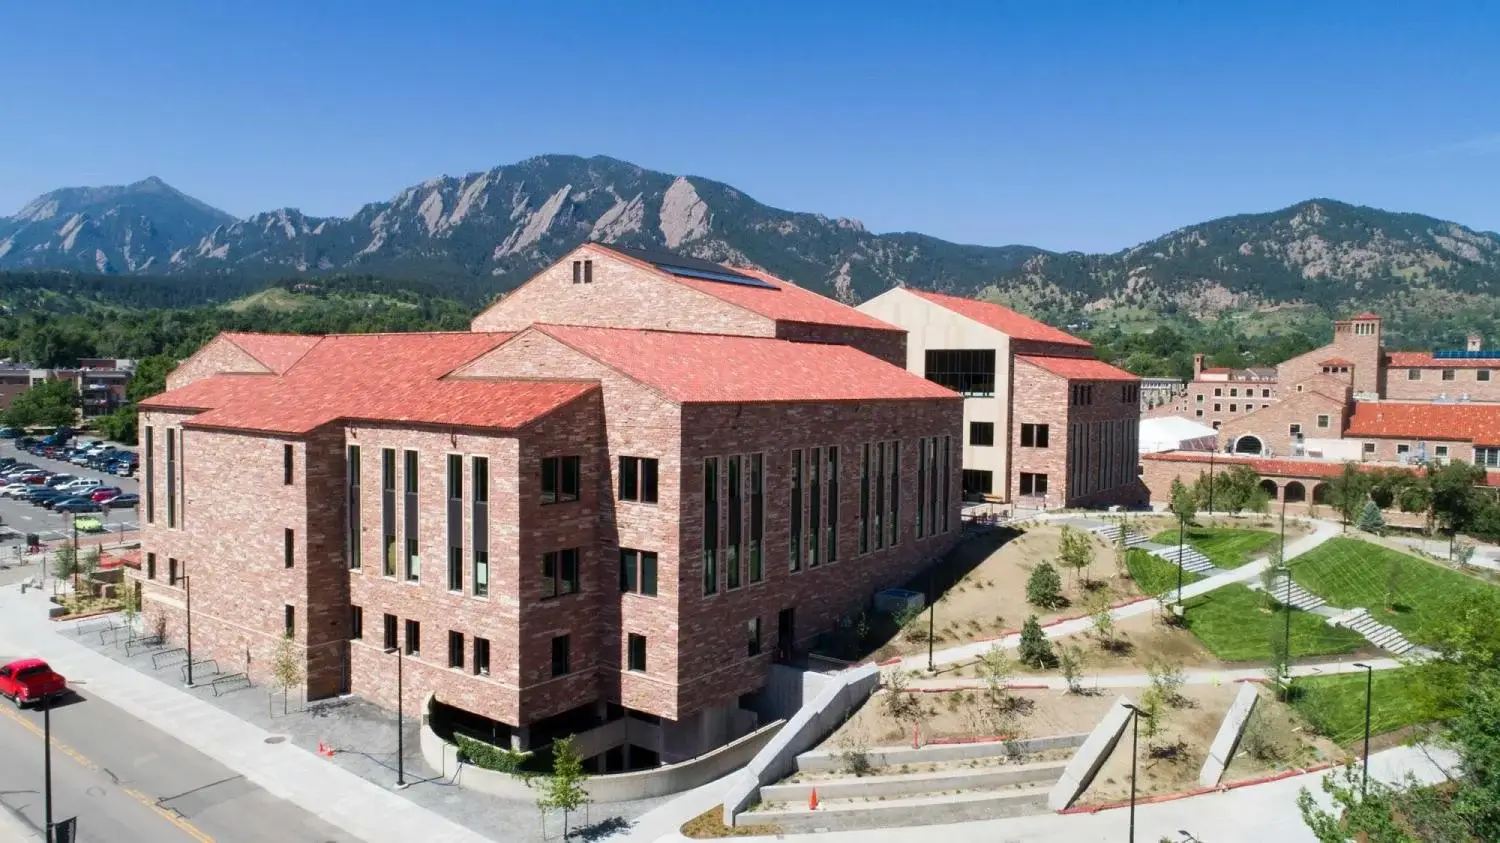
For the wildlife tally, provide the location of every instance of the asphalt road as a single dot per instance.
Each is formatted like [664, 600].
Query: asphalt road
[127, 782]
[24, 518]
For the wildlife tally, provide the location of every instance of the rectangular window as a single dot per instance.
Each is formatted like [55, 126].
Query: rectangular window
[1218, 392]
[814, 505]
[921, 487]
[711, 525]
[864, 499]
[1294, 429]
[560, 573]
[1217, 408]
[414, 638]
[736, 519]
[390, 632]
[638, 572]
[1083, 394]
[1402, 450]
[455, 649]
[560, 655]
[757, 516]
[1487, 457]
[947, 483]
[289, 547]
[1033, 484]
[479, 523]
[1199, 398]
[150, 566]
[1323, 421]
[932, 485]
[286, 465]
[1234, 408]
[1234, 393]
[150, 474]
[171, 477]
[752, 636]
[1369, 448]
[455, 522]
[561, 479]
[636, 652]
[1440, 451]
[967, 372]
[794, 535]
[982, 433]
[1482, 375]
[351, 519]
[1449, 374]
[411, 509]
[1413, 374]
[577, 272]
[289, 620]
[1198, 413]
[831, 523]
[978, 482]
[893, 523]
[171, 571]
[481, 657]
[880, 486]
[1035, 435]
[638, 479]
[1265, 393]
[356, 622]
[388, 512]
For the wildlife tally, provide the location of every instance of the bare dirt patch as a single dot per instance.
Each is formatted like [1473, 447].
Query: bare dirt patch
[1142, 640]
[1187, 730]
[1275, 739]
[948, 715]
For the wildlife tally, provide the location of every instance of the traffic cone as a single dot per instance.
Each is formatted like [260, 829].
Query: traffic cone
[812, 801]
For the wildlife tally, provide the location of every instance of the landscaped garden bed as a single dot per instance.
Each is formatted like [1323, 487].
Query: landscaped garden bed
[1230, 546]
[1237, 624]
[1170, 750]
[1334, 706]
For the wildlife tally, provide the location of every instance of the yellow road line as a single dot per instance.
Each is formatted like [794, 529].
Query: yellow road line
[165, 813]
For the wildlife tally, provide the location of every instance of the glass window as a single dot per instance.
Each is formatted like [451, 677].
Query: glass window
[414, 638]
[455, 649]
[356, 622]
[982, 434]
[481, 657]
[967, 372]
[636, 652]
[561, 479]
[1035, 435]
[711, 525]
[752, 635]
[560, 655]
[1449, 374]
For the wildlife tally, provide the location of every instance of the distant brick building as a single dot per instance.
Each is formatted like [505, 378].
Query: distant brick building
[1046, 423]
[635, 483]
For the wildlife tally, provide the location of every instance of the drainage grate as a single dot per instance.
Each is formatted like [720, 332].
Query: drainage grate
[276, 739]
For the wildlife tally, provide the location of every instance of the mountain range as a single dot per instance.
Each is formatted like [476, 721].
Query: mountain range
[482, 234]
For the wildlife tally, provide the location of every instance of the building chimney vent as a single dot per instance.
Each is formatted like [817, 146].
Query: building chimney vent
[1197, 365]
[1476, 342]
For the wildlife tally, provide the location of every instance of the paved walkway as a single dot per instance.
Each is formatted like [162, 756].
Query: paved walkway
[359, 807]
[1141, 680]
[1247, 573]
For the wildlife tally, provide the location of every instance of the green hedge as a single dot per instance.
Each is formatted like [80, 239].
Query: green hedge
[488, 757]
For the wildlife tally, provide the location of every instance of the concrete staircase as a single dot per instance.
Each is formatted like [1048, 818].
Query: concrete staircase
[1111, 534]
[1299, 597]
[1381, 635]
[1192, 560]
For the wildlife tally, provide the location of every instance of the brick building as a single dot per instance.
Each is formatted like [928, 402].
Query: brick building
[637, 481]
[1046, 424]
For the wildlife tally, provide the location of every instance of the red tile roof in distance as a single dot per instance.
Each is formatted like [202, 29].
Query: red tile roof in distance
[278, 352]
[1425, 360]
[372, 377]
[1336, 361]
[1079, 368]
[787, 302]
[1477, 423]
[1002, 319]
[715, 369]
[1363, 316]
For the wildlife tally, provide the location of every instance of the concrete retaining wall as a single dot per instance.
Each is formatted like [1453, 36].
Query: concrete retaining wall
[1090, 757]
[1228, 738]
[909, 784]
[615, 787]
[841, 693]
[894, 756]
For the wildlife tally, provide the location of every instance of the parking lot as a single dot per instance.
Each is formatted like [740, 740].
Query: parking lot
[18, 518]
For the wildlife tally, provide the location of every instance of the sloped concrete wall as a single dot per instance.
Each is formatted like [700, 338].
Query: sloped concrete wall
[1090, 757]
[1228, 738]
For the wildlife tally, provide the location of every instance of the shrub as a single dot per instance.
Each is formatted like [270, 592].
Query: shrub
[489, 757]
[1036, 650]
[1370, 519]
[1044, 587]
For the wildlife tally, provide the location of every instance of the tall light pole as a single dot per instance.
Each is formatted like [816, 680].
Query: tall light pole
[1364, 787]
[1181, 533]
[1135, 735]
[47, 766]
[1211, 455]
[931, 615]
[187, 587]
[400, 723]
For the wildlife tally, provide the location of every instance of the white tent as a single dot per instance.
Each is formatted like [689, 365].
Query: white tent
[1174, 433]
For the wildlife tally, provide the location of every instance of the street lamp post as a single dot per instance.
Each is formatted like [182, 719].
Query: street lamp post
[1181, 533]
[1135, 735]
[1364, 787]
[187, 587]
[931, 615]
[47, 766]
[400, 723]
[1211, 455]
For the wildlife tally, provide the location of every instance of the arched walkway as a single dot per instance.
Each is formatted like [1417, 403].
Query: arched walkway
[1248, 444]
[1320, 493]
[1270, 488]
[1295, 492]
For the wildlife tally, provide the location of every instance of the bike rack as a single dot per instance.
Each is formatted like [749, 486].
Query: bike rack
[144, 642]
[198, 664]
[78, 626]
[229, 678]
[175, 651]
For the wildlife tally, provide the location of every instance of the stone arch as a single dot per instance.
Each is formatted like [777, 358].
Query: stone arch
[1269, 486]
[1320, 493]
[1248, 443]
[1294, 492]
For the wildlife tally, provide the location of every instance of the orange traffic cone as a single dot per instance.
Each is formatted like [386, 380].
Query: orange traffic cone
[812, 801]
[325, 750]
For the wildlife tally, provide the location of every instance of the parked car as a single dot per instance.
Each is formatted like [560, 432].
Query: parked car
[104, 493]
[45, 498]
[28, 681]
[129, 500]
[88, 523]
[58, 479]
[82, 483]
[9, 433]
[122, 469]
[14, 490]
[77, 505]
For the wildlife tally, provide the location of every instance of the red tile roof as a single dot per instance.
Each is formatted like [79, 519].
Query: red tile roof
[1477, 423]
[278, 352]
[1425, 360]
[1002, 319]
[1363, 316]
[1079, 368]
[372, 377]
[787, 302]
[711, 368]
[1336, 361]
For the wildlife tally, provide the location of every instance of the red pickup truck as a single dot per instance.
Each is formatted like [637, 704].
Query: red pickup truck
[30, 680]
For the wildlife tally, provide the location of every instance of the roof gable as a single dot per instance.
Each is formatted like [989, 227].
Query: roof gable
[1078, 368]
[1003, 319]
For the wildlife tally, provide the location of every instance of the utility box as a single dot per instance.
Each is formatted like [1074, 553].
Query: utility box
[898, 600]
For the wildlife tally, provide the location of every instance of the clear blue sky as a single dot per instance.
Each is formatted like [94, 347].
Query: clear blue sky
[1068, 125]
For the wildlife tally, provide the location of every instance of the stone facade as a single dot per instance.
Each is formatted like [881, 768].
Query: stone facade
[1455, 379]
[1274, 429]
[1356, 346]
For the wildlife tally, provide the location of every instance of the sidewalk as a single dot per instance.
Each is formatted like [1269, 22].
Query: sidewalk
[359, 807]
[13, 830]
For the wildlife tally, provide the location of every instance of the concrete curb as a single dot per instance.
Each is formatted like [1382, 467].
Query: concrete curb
[1228, 737]
[1201, 791]
[1090, 757]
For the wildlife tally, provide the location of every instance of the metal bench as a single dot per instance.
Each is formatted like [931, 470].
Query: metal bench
[220, 685]
[198, 664]
[156, 658]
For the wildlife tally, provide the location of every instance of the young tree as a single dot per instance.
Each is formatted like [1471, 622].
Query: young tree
[1370, 519]
[998, 711]
[1071, 662]
[64, 561]
[901, 704]
[1349, 491]
[130, 604]
[1122, 550]
[1035, 650]
[564, 790]
[1104, 626]
[1077, 552]
[1452, 494]
[1044, 587]
[286, 668]
[1184, 504]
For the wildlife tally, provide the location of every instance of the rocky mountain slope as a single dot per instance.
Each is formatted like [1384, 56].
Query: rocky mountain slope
[481, 234]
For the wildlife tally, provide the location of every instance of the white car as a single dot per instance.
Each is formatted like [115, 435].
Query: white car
[80, 484]
[14, 489]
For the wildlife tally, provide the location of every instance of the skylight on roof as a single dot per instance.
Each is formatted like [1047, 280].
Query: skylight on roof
[723, 277]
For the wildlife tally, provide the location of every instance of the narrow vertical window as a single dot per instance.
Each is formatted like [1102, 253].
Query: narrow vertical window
[795, 533]
[629, 560]
[947, 482]
[356, 622]
[150, 474]
[894, 522]
[757, 515]
[732, 547]
[171, 477]
[455, 522]
[711, 525]
[479, 520]
[588, 272]
[921, 485]
[864, 499]
[636, 652]
[388, 632]
[455, 648]
[481, 657]
[289, 620]
[414, 638]
[814, 505]
[410, 510]
[932, 482]
[561, 655]
[286, 465]
[351, 479]
[880, 473]
[388, 512]
[577, 272]
[752, 636]
[831, 541]
[288, 547]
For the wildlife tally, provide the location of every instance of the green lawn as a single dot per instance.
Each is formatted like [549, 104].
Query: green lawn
[1350, 573]
[1335, 705]
[1228, 547]
[1153, 575]
[1232, 622]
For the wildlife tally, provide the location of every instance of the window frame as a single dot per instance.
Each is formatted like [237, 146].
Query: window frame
[987, 439]
[557, 562]
[562, 652]
[635, 645]
[557, 472]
